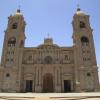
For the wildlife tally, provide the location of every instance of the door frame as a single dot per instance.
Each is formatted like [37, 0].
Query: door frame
[68, 82]
[31, 83]
[50, 76]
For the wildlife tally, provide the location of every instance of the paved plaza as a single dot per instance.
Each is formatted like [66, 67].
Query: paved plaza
[50, 96]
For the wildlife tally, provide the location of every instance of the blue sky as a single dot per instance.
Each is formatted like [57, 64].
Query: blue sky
[53, 17]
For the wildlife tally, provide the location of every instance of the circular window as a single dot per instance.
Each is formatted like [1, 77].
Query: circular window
[7, 75]
[48, 60]
[88, 74]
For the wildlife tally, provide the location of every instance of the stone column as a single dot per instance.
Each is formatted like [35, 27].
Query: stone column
[57, 80]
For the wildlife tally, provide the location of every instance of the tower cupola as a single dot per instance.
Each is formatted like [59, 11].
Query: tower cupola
[79, 12]
[48, 41]
[16, 22]
[18, 13]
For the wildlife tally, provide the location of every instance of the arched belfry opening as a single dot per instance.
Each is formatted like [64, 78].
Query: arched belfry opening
[48, 83]
[12, 41]
[84, 41]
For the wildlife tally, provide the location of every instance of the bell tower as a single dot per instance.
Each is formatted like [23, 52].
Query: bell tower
[14, 40]
[12, 53]
[86, 70]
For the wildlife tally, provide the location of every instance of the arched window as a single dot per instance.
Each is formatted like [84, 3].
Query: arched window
[82, 24]
[84, 41]
[12, 41]
[14, 26]
[48, 60]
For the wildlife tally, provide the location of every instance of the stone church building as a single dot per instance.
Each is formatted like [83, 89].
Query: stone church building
[49, 67]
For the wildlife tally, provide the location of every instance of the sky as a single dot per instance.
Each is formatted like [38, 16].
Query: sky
[52, 17]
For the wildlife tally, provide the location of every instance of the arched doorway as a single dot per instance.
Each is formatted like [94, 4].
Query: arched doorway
[48, 83]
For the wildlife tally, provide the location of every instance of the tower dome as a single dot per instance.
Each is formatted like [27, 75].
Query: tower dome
[18, 13]
[80, 12]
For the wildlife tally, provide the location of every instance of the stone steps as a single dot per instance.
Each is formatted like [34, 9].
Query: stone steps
[50, 96]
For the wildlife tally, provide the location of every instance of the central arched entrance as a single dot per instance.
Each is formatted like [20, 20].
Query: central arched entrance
[48, 83]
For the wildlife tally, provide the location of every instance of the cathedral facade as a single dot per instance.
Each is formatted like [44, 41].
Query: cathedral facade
[49, 67]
